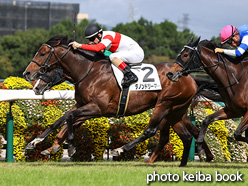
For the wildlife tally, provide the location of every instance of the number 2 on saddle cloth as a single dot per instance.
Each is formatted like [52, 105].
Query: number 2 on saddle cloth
[148, 80]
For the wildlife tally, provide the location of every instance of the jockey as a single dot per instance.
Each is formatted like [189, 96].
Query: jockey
[124, 49]
[236, 37]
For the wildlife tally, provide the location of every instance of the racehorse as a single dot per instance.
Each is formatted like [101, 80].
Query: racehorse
[229, 74]
[97, 94]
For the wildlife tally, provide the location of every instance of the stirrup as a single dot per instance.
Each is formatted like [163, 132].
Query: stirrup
[126, 82]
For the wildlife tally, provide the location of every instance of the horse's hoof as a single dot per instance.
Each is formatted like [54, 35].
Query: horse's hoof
[182, 165]
[33, 143]
[45, 153]
[116, 152]
[202, 155]
[30, 146]
[209, 159]
[149, 162]
[71, 151]
[55, 149]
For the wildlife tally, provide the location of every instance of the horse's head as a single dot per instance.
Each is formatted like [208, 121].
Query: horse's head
[45, 59]
[187, 61]
[48, 80]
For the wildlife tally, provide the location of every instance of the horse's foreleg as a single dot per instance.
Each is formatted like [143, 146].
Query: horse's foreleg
[88, 111]
[184, 135]
[57, 124]
[59, 139]
[163, 140]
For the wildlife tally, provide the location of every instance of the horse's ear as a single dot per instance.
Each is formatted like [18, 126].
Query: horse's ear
[57, 43]
[195, 43]
[191, 40]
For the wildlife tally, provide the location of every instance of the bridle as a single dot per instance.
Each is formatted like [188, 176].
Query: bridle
[45, 66]
[192, 61]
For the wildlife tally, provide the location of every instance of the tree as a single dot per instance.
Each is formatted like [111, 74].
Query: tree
[5, 64]
[65, 27]
[21, 47]
[161, 39]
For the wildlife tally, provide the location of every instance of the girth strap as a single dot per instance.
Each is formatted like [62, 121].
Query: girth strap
[123, 102]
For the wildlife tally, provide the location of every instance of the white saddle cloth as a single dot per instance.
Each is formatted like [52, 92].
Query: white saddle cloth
[147, 75]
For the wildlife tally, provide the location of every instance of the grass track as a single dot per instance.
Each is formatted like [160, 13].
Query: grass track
[110, 173]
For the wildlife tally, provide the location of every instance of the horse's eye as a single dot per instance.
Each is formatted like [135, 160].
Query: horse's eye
[185, 55]
[42, 54]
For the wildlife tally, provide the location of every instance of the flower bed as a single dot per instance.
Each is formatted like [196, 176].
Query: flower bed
[220, 135]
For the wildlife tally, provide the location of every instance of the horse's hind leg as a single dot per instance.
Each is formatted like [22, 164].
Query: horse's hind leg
[182, 132]
[164, 138]
[221, 114]
[195, 132]
[243, 126]
[158, 115]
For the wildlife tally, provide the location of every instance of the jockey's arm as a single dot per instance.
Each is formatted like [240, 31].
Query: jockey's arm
[240, 50]
[96, 48]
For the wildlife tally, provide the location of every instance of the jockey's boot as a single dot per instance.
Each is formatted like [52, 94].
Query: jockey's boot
[129, 77]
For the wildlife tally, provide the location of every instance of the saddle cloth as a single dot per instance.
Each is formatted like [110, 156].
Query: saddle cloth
[147, 74]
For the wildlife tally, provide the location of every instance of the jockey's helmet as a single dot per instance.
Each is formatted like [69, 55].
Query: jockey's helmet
[227, 33]
[91, 31]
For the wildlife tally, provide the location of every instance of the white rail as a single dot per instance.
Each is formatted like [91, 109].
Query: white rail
[11, 95]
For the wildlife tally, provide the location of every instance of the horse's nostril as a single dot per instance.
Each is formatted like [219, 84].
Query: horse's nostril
[169, 75]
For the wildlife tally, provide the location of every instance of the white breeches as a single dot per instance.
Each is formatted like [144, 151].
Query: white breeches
[134, 55]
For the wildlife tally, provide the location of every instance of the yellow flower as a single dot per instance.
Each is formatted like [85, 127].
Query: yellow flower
[16, 83]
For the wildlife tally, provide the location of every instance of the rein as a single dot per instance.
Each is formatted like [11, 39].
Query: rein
[86, 73]
[228, 68]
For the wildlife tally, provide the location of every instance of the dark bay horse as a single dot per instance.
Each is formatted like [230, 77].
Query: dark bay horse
[229, 74]
[97, 94]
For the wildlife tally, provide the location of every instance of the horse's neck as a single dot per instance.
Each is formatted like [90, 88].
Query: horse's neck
[75, 66]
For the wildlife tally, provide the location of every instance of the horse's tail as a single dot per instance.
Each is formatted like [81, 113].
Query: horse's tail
[207, 89]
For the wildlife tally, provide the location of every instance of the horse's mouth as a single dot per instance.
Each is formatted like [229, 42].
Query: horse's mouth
[40, 89]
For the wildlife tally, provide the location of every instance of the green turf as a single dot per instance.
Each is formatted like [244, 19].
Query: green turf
[113, 173]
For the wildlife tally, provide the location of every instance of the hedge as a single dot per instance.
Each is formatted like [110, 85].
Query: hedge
[31, 117]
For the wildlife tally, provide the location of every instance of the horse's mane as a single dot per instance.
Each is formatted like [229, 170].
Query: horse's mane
[58, 40]
[63, 40]
[209, 44]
